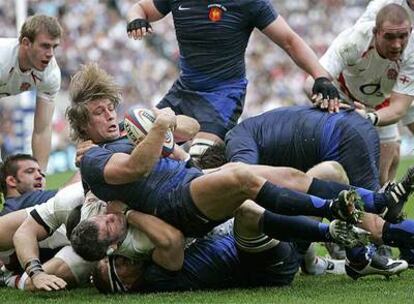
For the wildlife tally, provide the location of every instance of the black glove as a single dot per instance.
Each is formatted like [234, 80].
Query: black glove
[138, 24]
[325, 87]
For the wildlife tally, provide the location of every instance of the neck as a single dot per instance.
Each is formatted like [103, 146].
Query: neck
[11, 193]
[22, 60]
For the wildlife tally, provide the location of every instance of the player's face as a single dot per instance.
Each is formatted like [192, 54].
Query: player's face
[391, 39]
[129, 272]
[29, 177]
[41, 51]
[102, 125]
[112, 227]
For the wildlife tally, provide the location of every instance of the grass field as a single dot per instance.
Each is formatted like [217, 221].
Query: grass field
[305, 289]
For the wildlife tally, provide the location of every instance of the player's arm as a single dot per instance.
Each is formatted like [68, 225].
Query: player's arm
[168, 241]
[42, 131]
[399, 104]
[187, 127]
[125, 168]
[9, 223]
[139, 16]
[283, 35]
[25, 242]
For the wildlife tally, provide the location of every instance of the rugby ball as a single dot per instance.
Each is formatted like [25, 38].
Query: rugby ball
[138, 122]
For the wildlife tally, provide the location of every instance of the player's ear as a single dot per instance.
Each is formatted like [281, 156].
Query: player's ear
[25, 41]
[11, 181]
[374, 30]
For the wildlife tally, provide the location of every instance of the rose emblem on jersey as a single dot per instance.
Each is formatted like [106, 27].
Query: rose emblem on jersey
[216, 12]
[392, 74]
[25, 86]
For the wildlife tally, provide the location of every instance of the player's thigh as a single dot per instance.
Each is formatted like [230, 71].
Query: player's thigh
[216, 112]
[283, 177]
[218, 194]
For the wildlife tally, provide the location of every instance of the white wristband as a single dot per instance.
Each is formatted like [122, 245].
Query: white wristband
[373, 118]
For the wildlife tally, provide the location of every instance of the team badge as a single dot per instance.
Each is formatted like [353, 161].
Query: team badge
[404, 79]
[216, 12]
[25, 86]
[392, 74]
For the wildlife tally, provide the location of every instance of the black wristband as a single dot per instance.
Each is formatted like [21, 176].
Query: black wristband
[126, 211]
[138, 24]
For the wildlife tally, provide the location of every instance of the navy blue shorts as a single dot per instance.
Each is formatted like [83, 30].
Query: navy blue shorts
[178, 209]
[217, 111]
[275, 267]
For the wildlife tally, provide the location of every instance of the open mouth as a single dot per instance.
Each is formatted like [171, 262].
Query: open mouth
[45, 62]
[113, 128]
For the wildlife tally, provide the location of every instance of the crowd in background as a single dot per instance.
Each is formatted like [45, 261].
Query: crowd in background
[95, 30]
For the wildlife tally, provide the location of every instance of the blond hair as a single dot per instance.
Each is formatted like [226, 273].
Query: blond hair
[88, 84]
[40, 24]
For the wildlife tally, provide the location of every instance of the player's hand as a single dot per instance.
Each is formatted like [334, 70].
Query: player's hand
[361, 109]
[138, 28]
[81, 149]
[325, 95]
[47, 282]
[116, 207]
[166, 117]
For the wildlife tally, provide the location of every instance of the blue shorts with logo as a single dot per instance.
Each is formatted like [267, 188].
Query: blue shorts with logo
[217, 111]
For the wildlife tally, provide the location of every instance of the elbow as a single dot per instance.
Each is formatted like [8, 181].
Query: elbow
[172, 239]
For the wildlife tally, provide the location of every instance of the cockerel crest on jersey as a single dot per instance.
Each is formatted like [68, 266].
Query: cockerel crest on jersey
[216, 12]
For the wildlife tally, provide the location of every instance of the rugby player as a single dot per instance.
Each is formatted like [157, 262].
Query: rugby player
[28, 63]
[212, 39]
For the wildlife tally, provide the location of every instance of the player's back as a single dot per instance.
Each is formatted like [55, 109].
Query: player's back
[213, 38]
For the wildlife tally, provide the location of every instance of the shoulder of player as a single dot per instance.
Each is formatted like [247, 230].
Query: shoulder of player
[408, 55]
[52, 75]
[8, 48]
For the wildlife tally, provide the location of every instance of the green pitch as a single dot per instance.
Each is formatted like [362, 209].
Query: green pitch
[305, 289]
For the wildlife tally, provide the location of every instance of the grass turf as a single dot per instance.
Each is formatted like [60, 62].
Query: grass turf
[305, 289]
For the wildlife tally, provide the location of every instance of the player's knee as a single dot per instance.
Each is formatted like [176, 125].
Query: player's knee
[330, 171]
[247, 218]
[243, 177]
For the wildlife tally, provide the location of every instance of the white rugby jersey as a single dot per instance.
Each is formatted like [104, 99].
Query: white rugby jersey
[136, 245]
[375, 5]
[361, 73]
[13, 81]
[55, 212]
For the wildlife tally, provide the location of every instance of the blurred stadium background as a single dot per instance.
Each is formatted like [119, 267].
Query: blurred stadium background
[95, 30]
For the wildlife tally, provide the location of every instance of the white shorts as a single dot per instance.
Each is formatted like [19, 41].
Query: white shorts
[80, 268]
[409, 117]
[389, 134]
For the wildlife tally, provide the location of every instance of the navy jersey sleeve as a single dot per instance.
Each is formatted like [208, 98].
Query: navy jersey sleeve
[163, 6]
[28, 199]
[262, 13]
[93, 163]
[241, 146]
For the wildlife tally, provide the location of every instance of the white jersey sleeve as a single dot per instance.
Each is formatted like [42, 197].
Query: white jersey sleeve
[347, 49]
[48, 88]
[404, 84]
[55, 212]
[374, 6]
